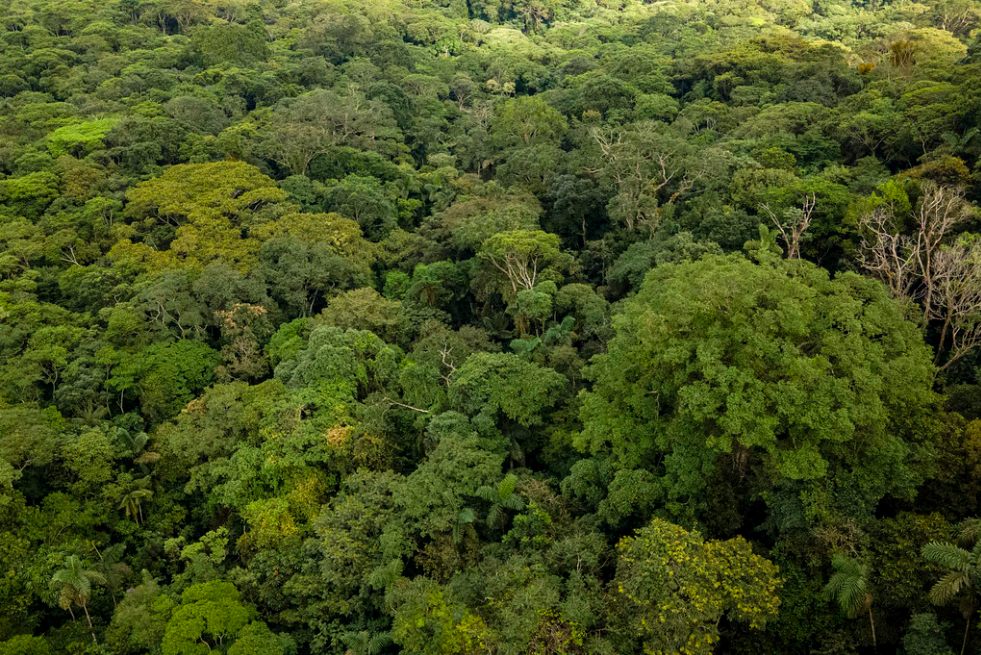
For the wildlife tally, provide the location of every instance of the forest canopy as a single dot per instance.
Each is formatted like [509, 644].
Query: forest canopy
[506, 327]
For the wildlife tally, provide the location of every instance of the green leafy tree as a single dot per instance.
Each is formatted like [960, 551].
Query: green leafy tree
[257, 639]
[492, 383]
[195, 192]
[486, 210]
[925, 636]
[528, 120]
[364, 309]
[25, 645]
[80, 138]
[522, 257]
[428, 621]
[772, 370]
[210, 616]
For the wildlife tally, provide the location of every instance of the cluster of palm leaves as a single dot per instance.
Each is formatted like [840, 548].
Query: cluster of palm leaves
[962, 563]
[73, 583]
[851, 589]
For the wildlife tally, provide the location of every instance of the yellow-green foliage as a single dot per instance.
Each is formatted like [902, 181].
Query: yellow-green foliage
[674, 587]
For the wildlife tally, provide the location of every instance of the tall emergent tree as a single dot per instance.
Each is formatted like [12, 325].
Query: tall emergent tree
[809, 389]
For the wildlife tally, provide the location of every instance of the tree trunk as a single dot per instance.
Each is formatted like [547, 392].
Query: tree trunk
[966, 628]
[875, 646]
[89, 619]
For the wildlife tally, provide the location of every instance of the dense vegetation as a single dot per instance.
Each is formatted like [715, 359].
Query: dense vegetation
[513, 327]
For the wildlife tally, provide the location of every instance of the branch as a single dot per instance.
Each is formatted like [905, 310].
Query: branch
[398, 404]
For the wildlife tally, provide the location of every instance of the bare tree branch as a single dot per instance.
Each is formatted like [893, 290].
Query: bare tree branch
[945, 280]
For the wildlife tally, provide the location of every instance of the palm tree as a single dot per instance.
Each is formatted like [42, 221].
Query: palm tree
[132, 501]
[74, 586]
[364, 643]
[464, 521]
[849, 587]
[502, 498]
[111, 567]
[963, 572]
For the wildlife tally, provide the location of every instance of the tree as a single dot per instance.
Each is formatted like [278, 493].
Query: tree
[502, 498]
[436, 284]
[435, 495]
[672, 588]
[849, 587]
[528, 120]
[925, 636]
[502, 382]
[364, 309]
[366, 201]
[74, 586]
[484, 211]
[429, 621]
[209, 616]
[521, 256]
[300, 275]
[944, 278]
[793, 225]
[25, 645]
[963, 575]
[189, 193]
[231, 43]
[310, 125]
[257, 639]
[650, 168]
[763, 369]
[164, 377]
[132, 501]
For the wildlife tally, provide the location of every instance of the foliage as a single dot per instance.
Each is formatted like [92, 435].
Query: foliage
[374, 326]
[675, 587]
[772, 369]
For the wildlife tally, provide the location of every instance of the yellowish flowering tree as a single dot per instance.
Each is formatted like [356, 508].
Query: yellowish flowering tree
[675, 587]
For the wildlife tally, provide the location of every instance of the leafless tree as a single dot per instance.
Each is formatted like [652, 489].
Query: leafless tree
[889, 256]
[793, 224]
[651, 169]
[924, 268]
[957, 299]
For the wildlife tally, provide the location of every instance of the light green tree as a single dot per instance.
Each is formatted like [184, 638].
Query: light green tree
[521, 257]
[209, 617]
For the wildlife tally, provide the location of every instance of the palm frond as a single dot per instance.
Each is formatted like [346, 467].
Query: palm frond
[947, 587]
[948, 556]
[489, 494]
[970, 531]
[849, 585]
[495, 514]
[508, 485]
[378, 642]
